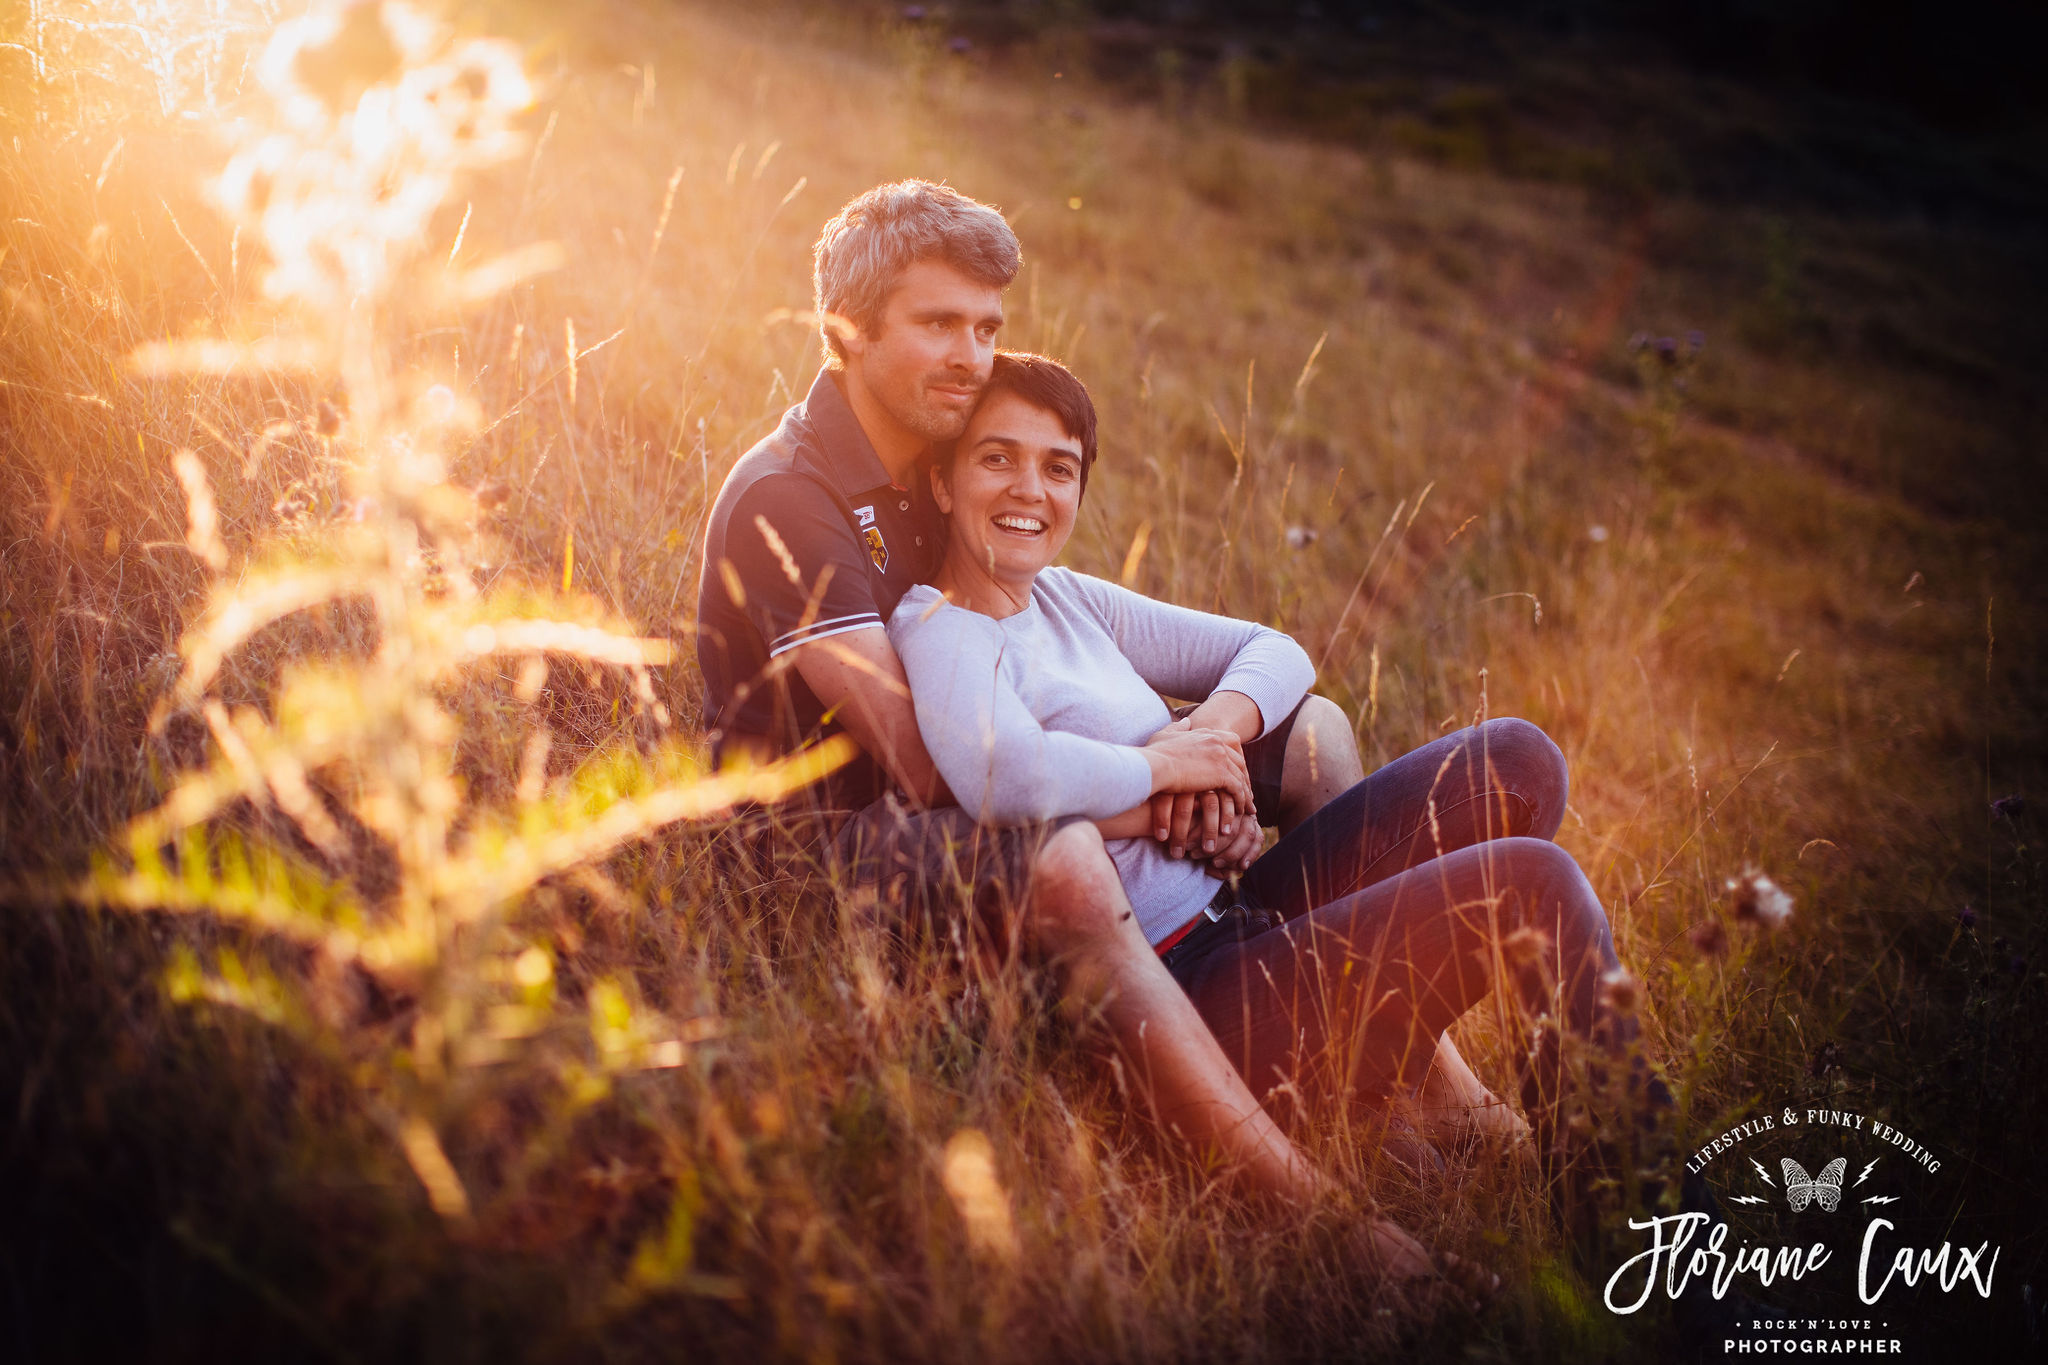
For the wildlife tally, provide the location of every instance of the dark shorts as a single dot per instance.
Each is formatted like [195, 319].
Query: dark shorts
[922, 866]
[923, 862]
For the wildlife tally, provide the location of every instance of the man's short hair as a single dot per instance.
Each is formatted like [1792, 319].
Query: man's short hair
[879, 235]
[1045, 383]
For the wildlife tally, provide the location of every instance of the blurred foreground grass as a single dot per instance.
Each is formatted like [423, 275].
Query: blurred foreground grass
[1772, 587]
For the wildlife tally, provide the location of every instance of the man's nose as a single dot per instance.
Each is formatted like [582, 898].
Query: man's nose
[970, 353]
[960, 355]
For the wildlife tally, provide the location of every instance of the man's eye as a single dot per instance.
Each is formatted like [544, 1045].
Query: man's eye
[986, 333]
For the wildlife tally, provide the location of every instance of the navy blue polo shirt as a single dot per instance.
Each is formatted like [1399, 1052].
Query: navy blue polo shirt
[809, 538]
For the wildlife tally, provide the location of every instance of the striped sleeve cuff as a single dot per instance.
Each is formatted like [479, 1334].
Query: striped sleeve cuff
[818, 630]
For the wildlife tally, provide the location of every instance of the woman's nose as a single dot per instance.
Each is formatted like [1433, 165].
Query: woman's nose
[1029, 484]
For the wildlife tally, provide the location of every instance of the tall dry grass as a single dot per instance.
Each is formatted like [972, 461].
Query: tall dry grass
[410, 1022]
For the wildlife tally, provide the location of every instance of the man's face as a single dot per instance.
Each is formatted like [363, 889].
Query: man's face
[925, 363]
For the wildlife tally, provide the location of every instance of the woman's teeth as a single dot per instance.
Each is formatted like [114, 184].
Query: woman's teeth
[1027, 524]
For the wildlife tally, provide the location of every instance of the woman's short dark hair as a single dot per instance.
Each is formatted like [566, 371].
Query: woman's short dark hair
[1045, 383]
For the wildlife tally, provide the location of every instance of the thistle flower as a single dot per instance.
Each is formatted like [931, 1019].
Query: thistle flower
[1756, 899]
[1620, 992]
[1527, 944]
[1710, 936]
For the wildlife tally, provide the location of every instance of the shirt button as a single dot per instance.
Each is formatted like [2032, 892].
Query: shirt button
[920, 540]
[903, 507]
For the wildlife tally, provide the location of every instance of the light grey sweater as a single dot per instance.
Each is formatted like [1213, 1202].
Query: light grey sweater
[1042, 713]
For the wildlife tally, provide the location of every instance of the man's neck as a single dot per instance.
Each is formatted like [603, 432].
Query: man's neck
[896, 446]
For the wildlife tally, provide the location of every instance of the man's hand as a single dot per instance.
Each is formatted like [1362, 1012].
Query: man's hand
[1237, 850]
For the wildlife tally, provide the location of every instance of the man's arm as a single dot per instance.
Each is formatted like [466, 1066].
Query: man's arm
[860, 682]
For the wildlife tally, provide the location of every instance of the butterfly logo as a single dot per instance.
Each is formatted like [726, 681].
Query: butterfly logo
[1802, 1189]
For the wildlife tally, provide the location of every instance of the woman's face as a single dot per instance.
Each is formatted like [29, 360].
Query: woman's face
[1014, 491]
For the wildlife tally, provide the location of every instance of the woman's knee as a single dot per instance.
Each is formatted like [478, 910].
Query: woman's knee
[1557, 895]
[1528, 763]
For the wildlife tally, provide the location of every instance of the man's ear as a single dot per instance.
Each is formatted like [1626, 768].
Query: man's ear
[847, 333]
[941, 494]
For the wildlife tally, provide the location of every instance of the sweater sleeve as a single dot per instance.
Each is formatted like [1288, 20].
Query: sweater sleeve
[1186, 653]
[998, 760]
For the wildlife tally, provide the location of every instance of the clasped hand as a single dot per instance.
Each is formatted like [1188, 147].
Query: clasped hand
[1204, 808]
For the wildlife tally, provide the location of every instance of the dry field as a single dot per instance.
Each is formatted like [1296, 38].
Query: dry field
[369, 987]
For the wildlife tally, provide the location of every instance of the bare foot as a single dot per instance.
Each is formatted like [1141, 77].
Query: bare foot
[1454, 1105]
[1398, 1256]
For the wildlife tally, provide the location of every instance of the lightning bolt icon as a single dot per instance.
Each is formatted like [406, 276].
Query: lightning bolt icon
[1762, 1172]
[1747, 1199]
[1882, 1199]
[1866, 1173]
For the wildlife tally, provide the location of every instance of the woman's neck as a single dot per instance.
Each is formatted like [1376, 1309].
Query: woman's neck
[971, 585]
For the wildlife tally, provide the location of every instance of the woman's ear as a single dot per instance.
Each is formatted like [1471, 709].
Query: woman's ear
[941, 494]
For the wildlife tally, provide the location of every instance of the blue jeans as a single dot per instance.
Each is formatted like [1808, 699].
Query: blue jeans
[1401, 904]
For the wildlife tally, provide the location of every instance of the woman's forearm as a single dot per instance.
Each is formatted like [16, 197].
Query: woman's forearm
[1232, 711]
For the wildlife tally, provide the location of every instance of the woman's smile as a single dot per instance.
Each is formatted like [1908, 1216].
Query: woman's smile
[1010, 492]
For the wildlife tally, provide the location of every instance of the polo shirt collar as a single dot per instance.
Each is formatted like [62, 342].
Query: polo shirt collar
[849, 455]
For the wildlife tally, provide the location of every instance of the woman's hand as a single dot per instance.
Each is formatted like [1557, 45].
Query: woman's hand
[1206, 824]
[1191, 760]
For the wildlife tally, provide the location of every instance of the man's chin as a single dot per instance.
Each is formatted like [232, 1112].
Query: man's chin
[940, 424]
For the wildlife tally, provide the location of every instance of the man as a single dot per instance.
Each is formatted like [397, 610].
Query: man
[816, 534]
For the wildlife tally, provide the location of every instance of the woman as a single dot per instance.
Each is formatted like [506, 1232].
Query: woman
[1341, 956]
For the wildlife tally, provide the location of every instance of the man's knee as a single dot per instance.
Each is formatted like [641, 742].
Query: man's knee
[1529, 763]
[1076, 894]
[1322, 745]
[1326, 720]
